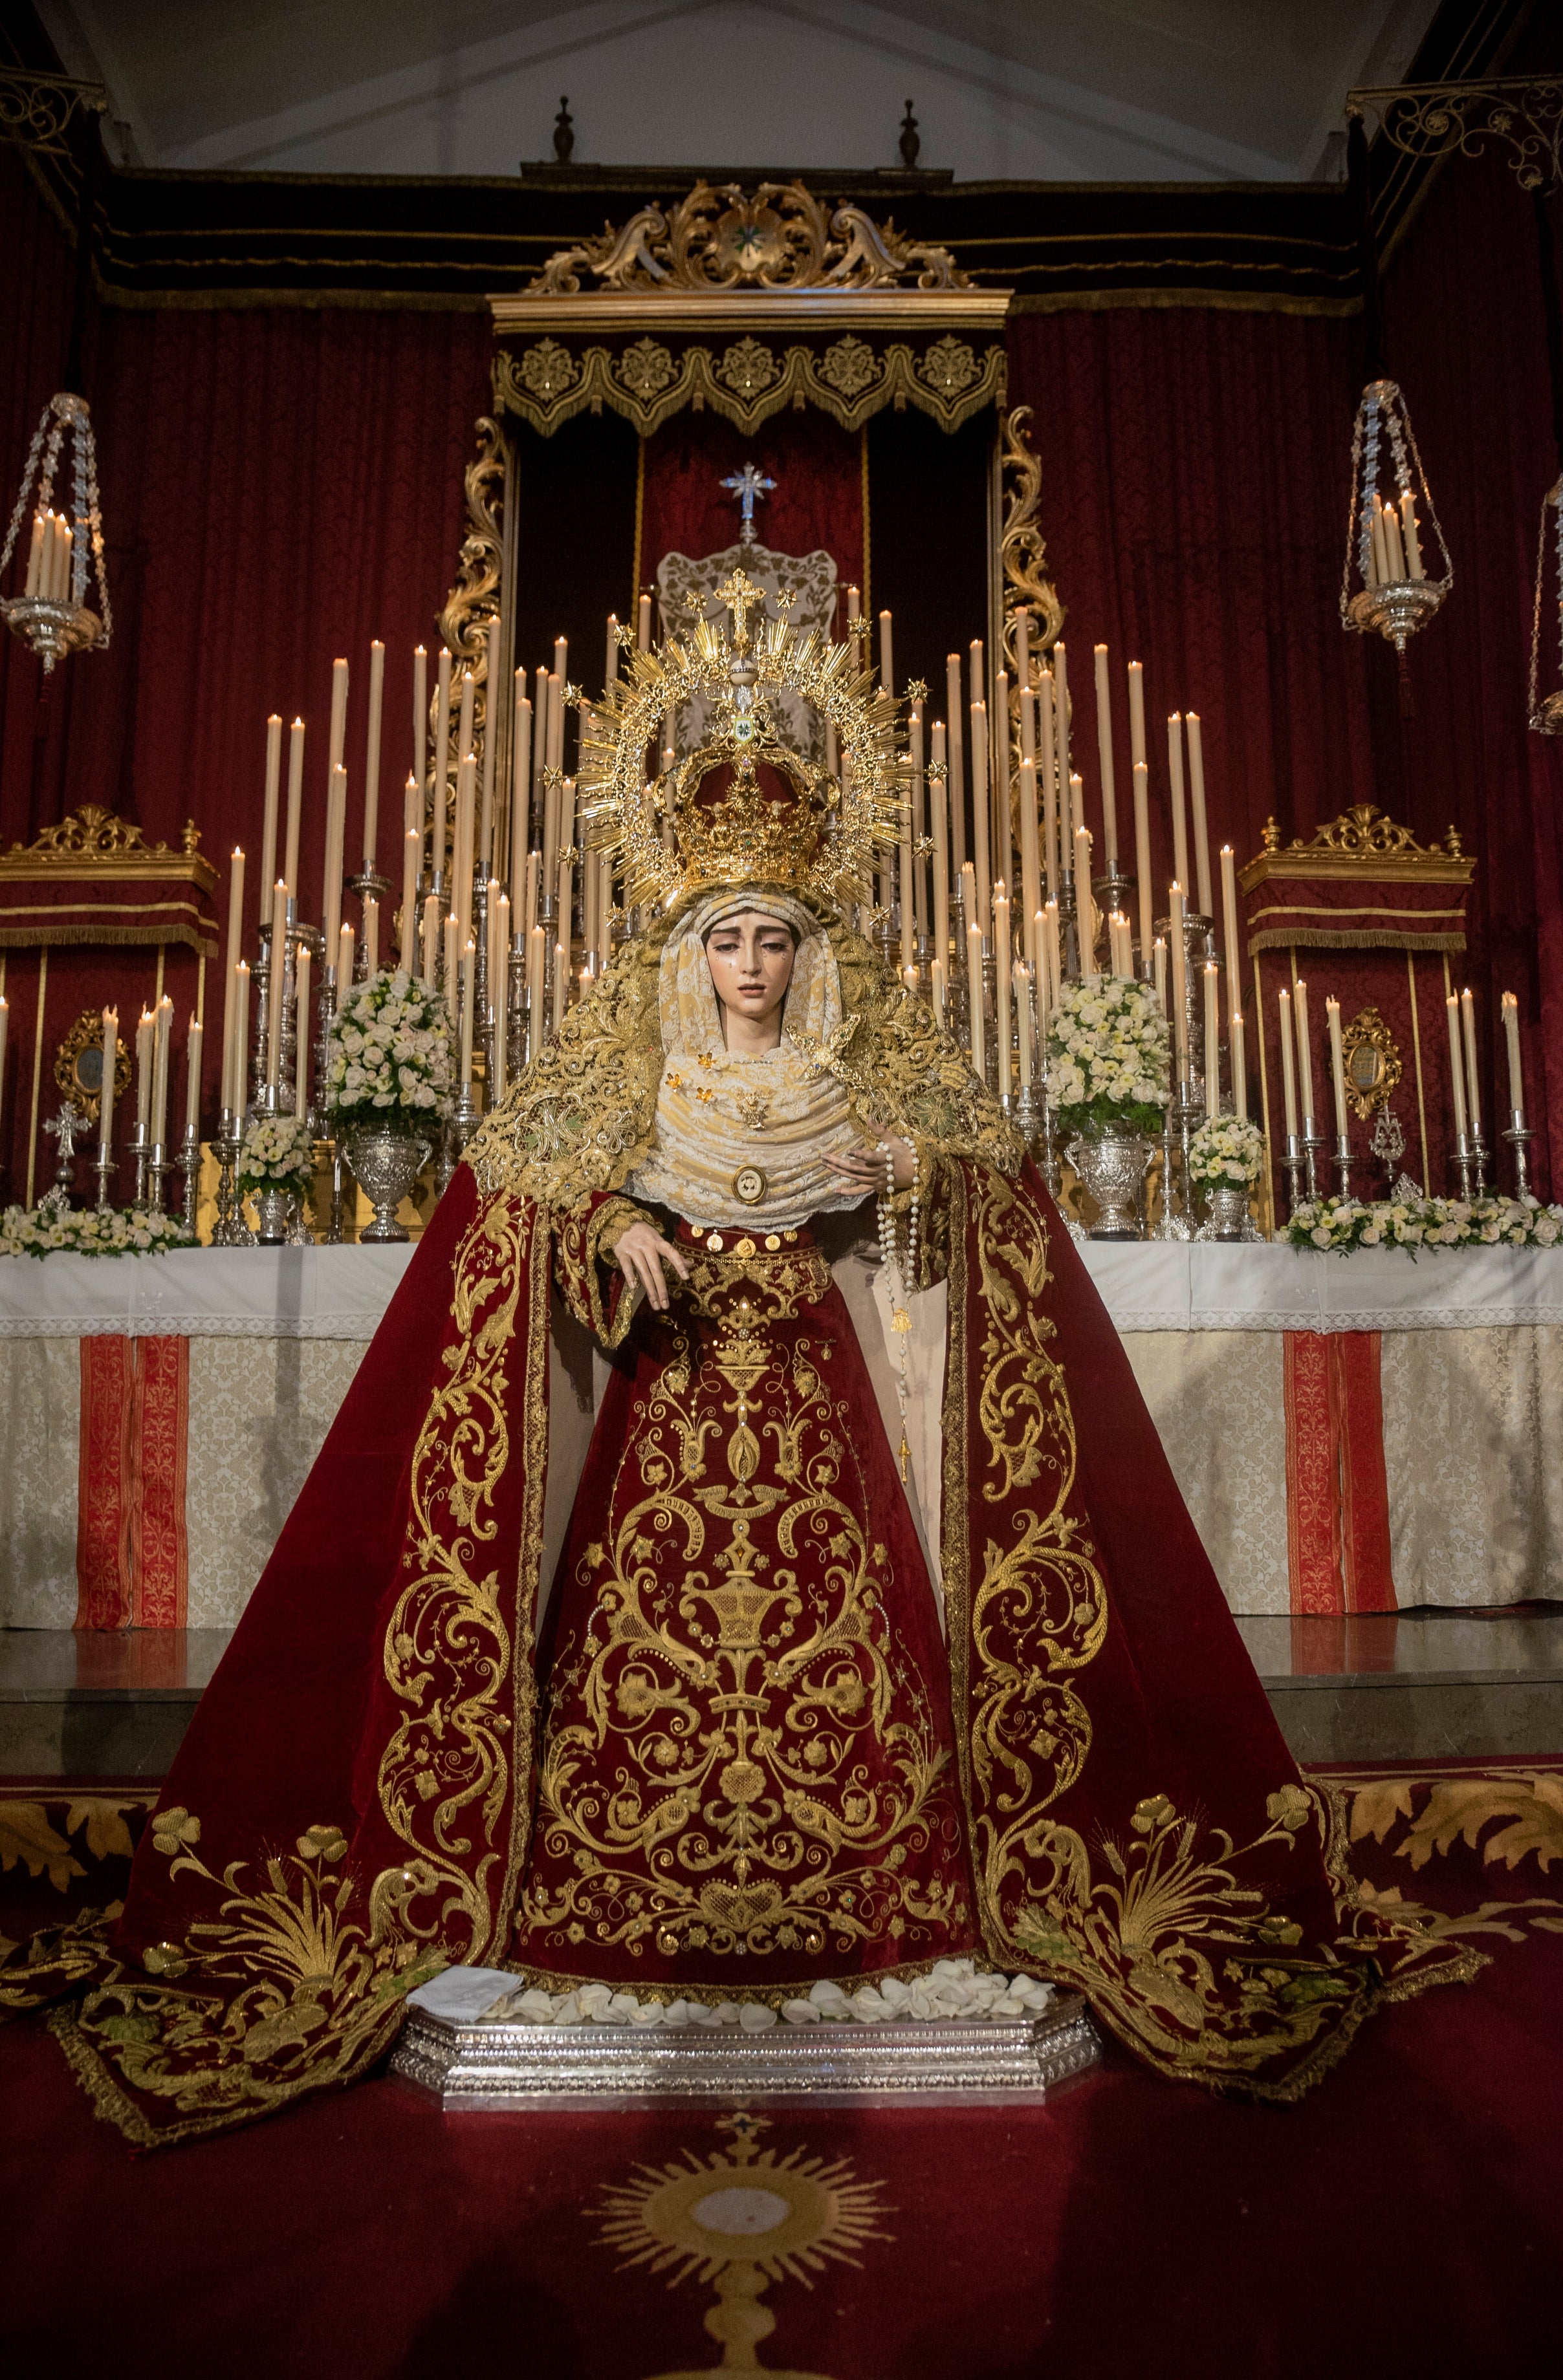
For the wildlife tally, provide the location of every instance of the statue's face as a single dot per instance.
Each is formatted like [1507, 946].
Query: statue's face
[751, 961]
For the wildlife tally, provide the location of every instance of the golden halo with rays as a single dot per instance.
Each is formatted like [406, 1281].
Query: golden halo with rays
[738, 669]
[740, 2219]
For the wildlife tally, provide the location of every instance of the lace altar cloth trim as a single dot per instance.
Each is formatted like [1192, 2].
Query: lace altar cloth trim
[342, 1293]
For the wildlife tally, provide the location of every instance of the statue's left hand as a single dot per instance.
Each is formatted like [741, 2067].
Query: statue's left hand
[864, 1169]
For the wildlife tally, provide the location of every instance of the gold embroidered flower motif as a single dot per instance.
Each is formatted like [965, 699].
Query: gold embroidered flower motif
[848, 367]
[948, 367]
[747, 368]
[172, 1830]
[548, 371]
[645, 369]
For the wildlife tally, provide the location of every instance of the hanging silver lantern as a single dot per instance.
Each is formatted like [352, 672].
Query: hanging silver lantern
[65, 550]
[1392, 511]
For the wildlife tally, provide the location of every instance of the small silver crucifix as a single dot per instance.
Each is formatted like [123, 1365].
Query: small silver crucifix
[745, 485]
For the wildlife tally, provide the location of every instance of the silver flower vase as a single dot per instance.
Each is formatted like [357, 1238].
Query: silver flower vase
[1111, 1166]
[273, 1211]
[1229, 1218]
[386, 1165]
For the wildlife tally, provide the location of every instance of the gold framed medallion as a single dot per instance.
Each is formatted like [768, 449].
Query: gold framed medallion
[749, 1186]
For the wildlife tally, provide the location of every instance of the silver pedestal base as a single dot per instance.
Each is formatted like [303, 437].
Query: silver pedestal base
[481, 2067]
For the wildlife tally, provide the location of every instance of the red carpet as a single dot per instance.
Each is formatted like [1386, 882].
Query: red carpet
[1406, 2219]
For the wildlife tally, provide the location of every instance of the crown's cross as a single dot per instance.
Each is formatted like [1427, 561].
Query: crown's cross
[745, 485]
[742, 596]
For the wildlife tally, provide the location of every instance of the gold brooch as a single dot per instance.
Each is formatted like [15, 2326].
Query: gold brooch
[749, 1186]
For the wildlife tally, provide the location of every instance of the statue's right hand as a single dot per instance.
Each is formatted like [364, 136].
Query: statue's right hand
[640, 1252]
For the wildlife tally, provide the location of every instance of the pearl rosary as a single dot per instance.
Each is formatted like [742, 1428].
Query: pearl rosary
[900, 1274]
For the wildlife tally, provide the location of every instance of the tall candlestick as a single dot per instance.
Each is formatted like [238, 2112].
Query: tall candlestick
[1031, 870]
[338, 734]
[534, 868]
[1175, 795]
[886, 655]
[274, 980]
[1003, 822]
[461, 860]
[491, 753]
[521, 783]
[1202, 828]
[974, 979]
[1105, 754]
[1304, 1053]
[1158, 971]
[268, 821]
[163, 1032]
[465, 740]
[295, 811]
[106, 1094]
[1511, 1036]
[371, 935]
[1024, 980]
[938, 814]
[498, 948]
[1142, 851]
[1338, 1065]
[1052, 984]
[345, 962]
[235, 924]
[420, 714]
[982, 839]
[192, 1080]
[468, 973]
[1061, 723]
[371, 755]
[1086, 911]
[957, 786]
[301, 1035]
[1289, 1067]
[1212, 974]
[241, 1099]
[1239, 1064]
[537, 965]
[1002, 991]
[1229, 919]
[1178, 952]
[1472, 1089]
[1137, 752]
[1457, 1071]
[431, 939]
[443, 765]
[561, 983]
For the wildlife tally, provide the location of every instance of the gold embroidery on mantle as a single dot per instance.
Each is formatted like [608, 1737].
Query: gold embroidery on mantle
[739, 1758]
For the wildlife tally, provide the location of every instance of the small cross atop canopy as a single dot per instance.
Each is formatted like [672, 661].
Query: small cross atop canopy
[742, 596]
[745, 485]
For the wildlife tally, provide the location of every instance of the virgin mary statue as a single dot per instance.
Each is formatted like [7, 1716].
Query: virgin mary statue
[651, 1617]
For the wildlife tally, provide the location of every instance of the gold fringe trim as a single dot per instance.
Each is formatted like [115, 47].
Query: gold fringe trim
[1348, 938]
[52, 937]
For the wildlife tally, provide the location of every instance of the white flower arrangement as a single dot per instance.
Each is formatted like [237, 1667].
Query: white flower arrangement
[1341, 1225]
[954, 1990]
[277, 1153]
[390, 1062]
[1108, 1056]
[1226, 1155]
[54, 1228]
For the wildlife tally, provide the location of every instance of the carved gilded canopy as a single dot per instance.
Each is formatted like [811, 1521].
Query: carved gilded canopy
[748, 303]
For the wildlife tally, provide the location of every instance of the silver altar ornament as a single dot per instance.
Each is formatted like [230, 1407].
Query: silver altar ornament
[64, 548]
[1391, 513]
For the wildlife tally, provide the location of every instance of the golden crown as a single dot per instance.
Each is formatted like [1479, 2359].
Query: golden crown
[817, 832]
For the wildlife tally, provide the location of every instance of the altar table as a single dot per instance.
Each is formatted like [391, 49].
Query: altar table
[1351, 1434]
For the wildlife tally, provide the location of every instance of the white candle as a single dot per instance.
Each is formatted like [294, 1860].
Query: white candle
[1511, 1036]
[278, 967]
[1304, 1053]
[1061, 720]
[936, 976]
[999, 807]
[1338, 1066]
[938, 814]
[1105, 754]
[268, 821]
[1024, 980]
[561, 984]
[982, 839]
[1031, 872]
[1086, 910]
[955, 790]
[452, 972]
[442, 759]
[537, 965]
[302, 1034]
[1049, 787]
[192, 1080]
[498, 951]
[644, 624]
[1142, 850]
[1212, 1040]
[420, 714]
[1051, 959]
[1289, 1068]
[1472, 1089]
[461, 861]
[335, 832]
[163, 1033]
[886, 655]
[110, 1060]
[464, 741]
[372, 754]
[431, 940]
[289, 870]
[490, 750]
[1202, 829]
[1393, 553]
[1229, 919]
[240, 1098]
[1380, 551]
[338, 730]
[411, 868]
[909, 830]
[1239, 1066]
[371, 936]
[974, 983]
[345, 962]
[1175, 796]
[1409, 537]
[1457, 1080]
[468, 976]
[235, 937]
[34, 560]
[1158, 970]
[1137, 752]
